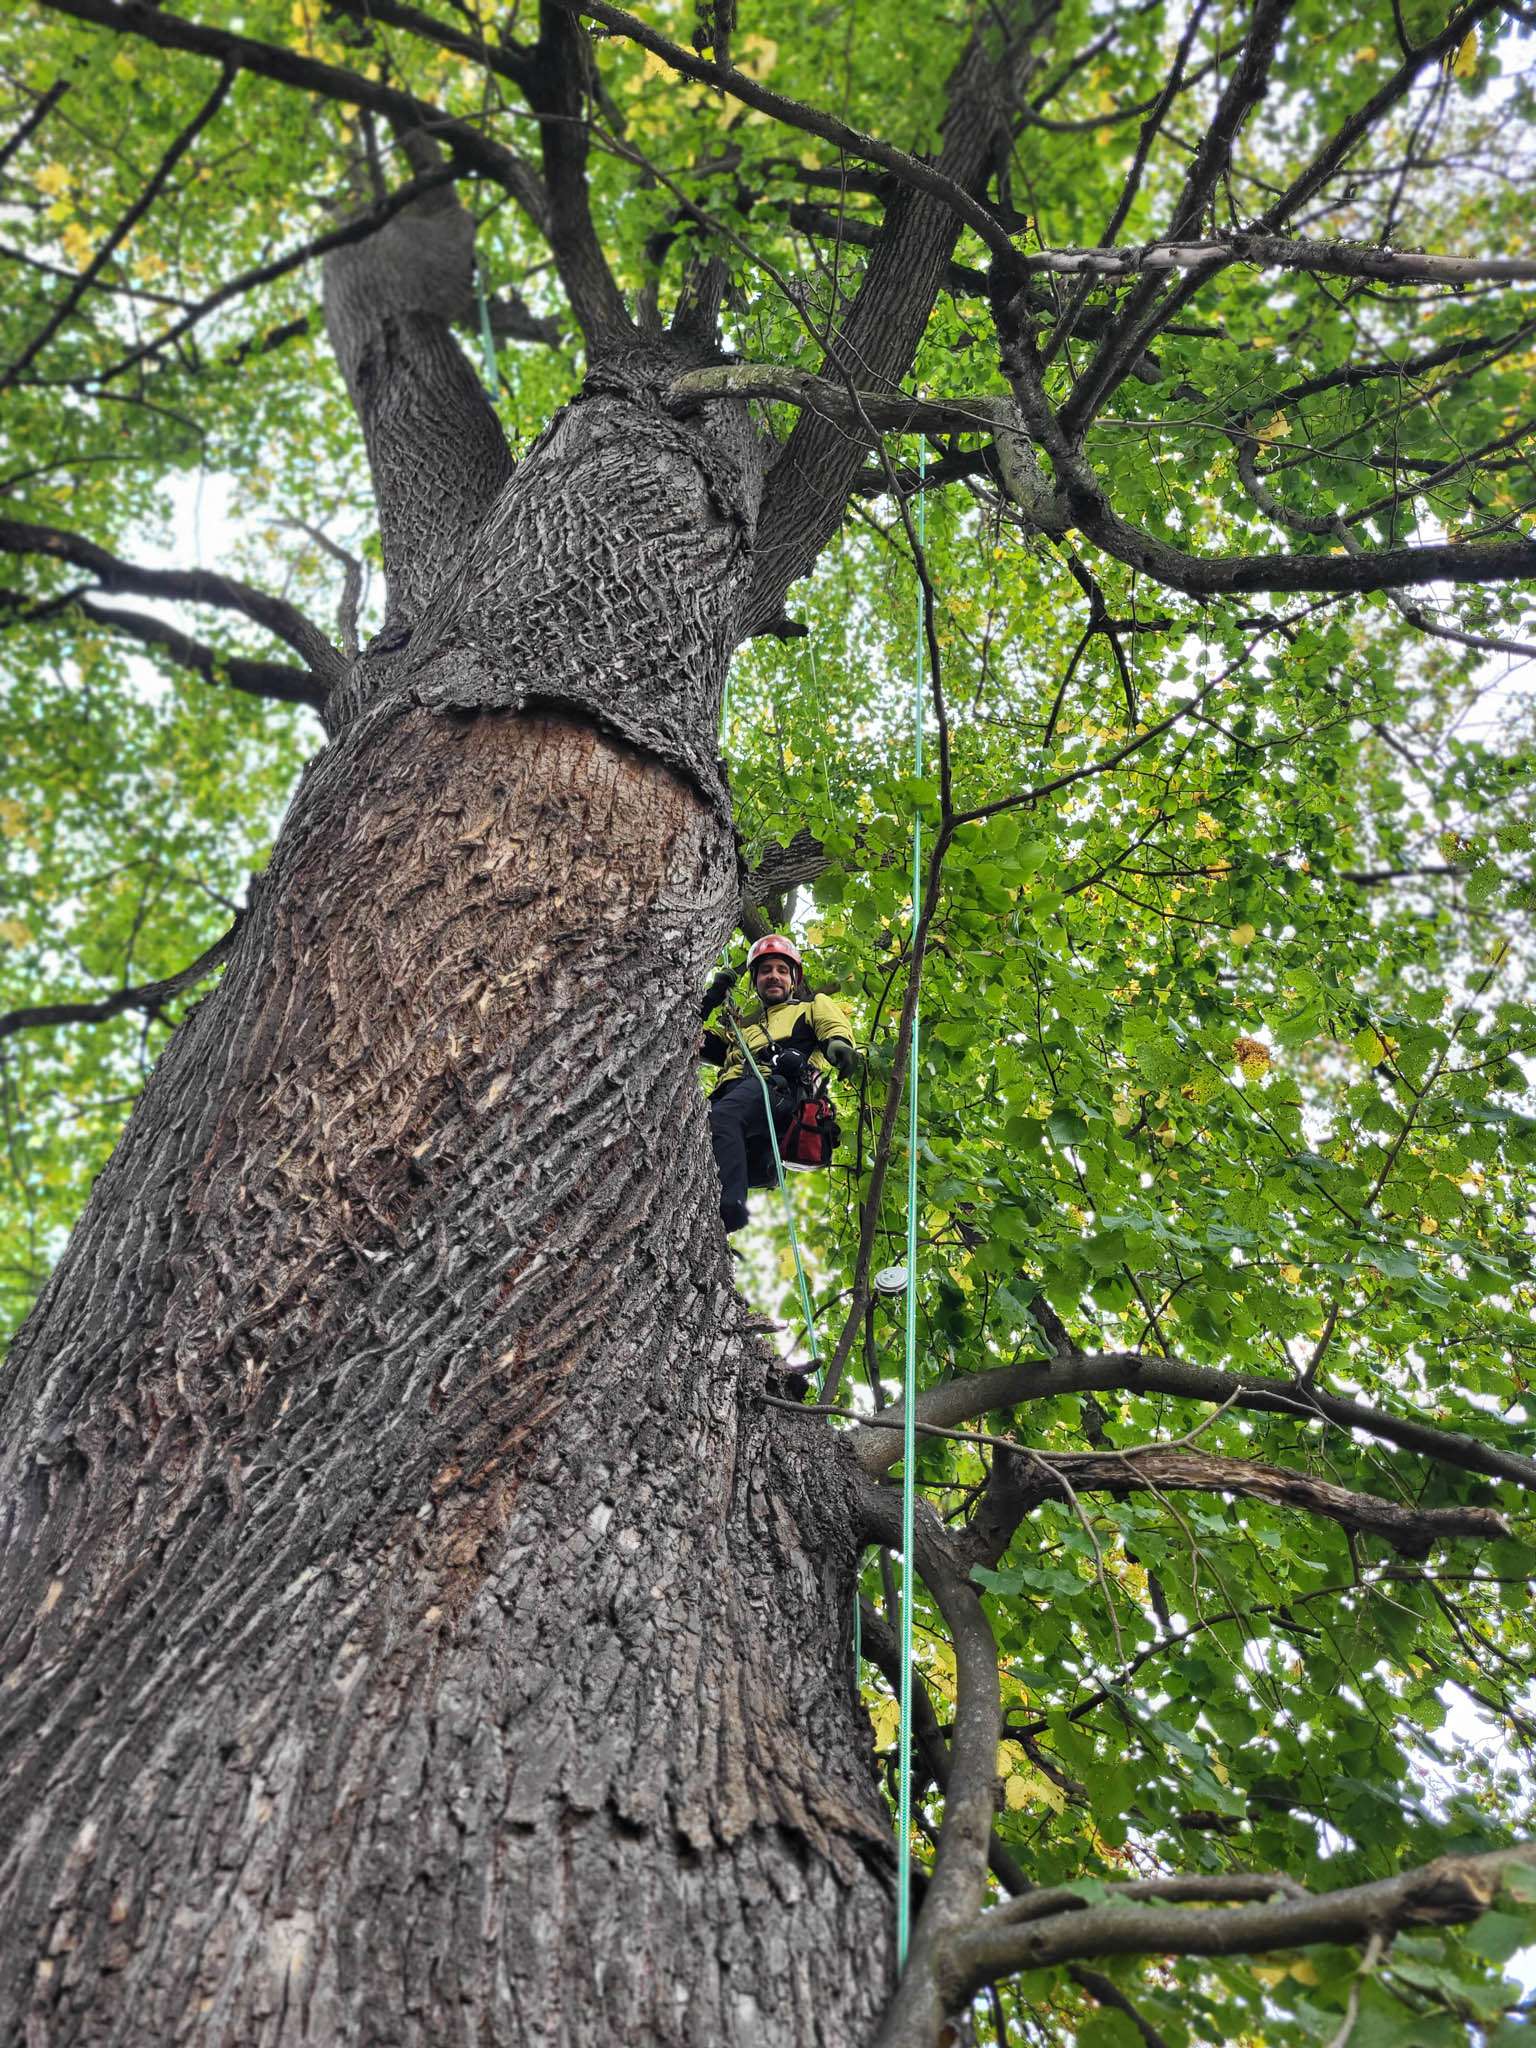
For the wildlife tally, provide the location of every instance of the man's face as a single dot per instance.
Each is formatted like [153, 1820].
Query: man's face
[774, 980]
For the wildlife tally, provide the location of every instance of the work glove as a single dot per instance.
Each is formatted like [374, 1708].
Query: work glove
[842, 1056]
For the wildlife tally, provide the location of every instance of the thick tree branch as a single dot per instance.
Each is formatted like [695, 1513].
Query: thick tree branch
[955, 1888]
[190, 586]
[883, 1649]
[553, 76]
[1281, 252]
[1243, 91]
[875, 344]
[436, 450]
[972, 1394]
[1410, 1531]
[1082, 501]
[1159, 1468]
[853, 412]
[150, 997]
[555, 80]
[1448, 1892]
[275, 680]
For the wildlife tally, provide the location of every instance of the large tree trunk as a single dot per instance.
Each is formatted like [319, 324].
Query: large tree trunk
[417, 1627]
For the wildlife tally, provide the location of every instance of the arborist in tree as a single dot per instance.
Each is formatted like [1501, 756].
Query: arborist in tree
[795, 1042]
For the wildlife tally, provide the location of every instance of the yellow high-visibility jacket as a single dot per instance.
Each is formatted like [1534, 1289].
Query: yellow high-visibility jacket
[805, 1022]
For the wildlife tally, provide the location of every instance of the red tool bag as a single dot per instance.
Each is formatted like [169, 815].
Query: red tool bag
[811, 1136]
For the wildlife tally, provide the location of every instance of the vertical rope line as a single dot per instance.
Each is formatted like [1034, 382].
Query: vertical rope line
[909, 1376]
[487, 339]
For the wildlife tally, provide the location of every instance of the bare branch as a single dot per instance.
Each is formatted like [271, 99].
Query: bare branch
[854, 411]
[1410, 1531]
[33, 121]
[151, 997]
[1280, 252]
[275, 680]
[1444, 1893]
[1005, 1386]
[191, 586]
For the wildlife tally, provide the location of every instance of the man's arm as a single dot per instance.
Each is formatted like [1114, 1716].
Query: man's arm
[834, 1034]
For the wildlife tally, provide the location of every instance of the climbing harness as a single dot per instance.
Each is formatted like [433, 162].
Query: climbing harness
[812, 1134]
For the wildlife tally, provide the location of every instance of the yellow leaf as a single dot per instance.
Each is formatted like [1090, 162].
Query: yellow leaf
[1369, 1045]
[1277, 428]
[756, 55]
[52, 179]
[123, 67]
[1304, 1971]
[77, 245]
[1104, 137]
[1464, 63]
[1267, 1974]
[1244, 935]
[1367, 55]
[1427, 1226]
[885, 1719]
[1015, 1794]
[12, 816]
[1291, 1275]
[14, 932]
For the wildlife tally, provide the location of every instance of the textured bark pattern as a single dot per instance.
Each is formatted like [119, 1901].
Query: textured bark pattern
[419, 1638]
[418, 1629]
[610, 575]
[437, 456]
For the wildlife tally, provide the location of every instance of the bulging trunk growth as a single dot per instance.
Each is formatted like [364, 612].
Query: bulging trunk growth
[417, 1628]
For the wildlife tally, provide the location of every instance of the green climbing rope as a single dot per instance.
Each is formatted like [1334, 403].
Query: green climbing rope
[789, 1207]
[909, 1375]
[487, 339]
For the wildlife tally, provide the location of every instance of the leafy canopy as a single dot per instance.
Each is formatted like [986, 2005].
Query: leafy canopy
[1227, 1002]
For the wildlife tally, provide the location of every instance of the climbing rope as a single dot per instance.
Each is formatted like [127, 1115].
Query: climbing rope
[789, 1207]
[487, 339]
[909, 1373]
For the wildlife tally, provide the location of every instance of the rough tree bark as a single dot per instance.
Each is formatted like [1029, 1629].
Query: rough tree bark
[417, 1628]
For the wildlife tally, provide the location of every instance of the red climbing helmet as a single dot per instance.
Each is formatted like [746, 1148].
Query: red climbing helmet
[774, 947]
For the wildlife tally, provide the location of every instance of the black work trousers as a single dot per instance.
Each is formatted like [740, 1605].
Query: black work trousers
[738, 1130]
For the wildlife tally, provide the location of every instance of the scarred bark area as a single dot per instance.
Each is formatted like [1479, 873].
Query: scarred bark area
[423, 1637]
[418, 1629]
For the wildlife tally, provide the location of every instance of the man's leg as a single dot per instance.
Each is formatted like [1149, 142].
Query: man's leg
[735, 1119]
